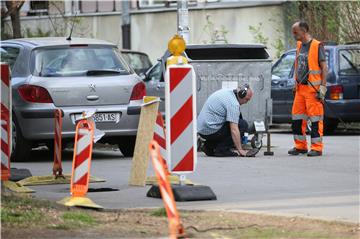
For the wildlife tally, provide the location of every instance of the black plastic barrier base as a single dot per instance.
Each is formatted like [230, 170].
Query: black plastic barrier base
[184, 193]
[17, 174]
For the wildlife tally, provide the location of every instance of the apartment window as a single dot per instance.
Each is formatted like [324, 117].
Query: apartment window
[38, 8]
[99, 6]
[162, 3]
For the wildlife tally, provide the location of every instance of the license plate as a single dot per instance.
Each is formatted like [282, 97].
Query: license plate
[106, 117]
[102, 117]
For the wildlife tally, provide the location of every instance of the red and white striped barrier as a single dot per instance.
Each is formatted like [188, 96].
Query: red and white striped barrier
[180, 105]
[175, 227]
[82, 157]
[57, 166]
[5, 121]
[159, 137]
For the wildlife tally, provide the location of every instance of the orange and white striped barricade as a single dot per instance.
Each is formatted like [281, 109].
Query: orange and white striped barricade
[176, 229]
[81, 165]
[57, 166]
[5, 122]
[6, 130]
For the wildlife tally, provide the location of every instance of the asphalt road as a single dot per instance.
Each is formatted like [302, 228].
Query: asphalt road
[325, 187]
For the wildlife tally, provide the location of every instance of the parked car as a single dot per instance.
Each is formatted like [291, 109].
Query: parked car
[343, 84]
[137, 60]
[76, 75]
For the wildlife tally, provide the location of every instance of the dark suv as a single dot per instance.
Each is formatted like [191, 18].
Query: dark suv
[343, 83]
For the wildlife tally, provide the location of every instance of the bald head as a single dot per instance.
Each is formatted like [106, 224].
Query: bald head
[248, 96]
[300, 31]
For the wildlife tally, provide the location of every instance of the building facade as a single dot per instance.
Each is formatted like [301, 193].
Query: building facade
[154, 22]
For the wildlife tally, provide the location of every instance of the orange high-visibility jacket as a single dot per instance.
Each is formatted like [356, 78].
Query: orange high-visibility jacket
[313, 63]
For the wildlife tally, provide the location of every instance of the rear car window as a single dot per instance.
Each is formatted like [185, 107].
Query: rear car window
[139, 62]
[77, 61]
[349, 62]
[9, 55]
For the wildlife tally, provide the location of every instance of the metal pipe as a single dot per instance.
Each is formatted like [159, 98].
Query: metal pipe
[183, 20]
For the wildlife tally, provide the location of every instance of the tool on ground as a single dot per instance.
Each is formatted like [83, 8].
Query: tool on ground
[268, 152]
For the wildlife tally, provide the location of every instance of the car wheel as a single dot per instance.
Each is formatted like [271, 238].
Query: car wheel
[21, 147]
[127, 145]
[330, 125]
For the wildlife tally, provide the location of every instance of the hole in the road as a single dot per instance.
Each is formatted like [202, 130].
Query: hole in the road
[96, 190]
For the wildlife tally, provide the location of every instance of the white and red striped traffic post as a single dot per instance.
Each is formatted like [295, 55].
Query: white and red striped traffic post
[180, 106]
[159, 137]
[82, 157]
[80, 175]
[5, 121]
[175, 227]
[57, 166]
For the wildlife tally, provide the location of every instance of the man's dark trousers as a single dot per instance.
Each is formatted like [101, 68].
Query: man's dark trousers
[221, 141]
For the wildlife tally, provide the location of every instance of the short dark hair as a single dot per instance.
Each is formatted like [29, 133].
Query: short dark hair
[304, 26]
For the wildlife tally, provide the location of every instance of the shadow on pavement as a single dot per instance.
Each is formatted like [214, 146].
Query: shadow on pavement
[42, 154]
[341, 131]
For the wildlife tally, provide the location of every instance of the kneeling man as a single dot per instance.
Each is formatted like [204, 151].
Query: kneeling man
[220, 122]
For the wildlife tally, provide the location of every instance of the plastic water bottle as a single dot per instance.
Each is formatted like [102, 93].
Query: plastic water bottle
[245, 138]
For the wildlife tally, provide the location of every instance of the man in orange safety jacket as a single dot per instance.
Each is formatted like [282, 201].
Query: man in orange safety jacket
[310, 89]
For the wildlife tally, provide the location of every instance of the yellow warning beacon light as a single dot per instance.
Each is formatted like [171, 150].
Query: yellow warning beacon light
[176, 47]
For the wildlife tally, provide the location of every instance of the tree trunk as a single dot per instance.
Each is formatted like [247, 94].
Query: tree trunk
[13, 9]
[15, 22]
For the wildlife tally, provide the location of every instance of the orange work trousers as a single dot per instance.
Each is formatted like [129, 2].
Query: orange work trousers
[307, 106]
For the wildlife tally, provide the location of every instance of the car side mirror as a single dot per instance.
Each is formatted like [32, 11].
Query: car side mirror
[143, 76]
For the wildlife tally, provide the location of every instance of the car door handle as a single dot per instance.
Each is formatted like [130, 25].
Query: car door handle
[92, 97]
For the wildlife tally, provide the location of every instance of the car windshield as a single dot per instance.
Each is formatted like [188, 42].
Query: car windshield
[77, 61]
[139, 62]
[283, 68]
[349, 63]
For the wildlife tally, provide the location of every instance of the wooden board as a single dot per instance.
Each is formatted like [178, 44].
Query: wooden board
[144, 136]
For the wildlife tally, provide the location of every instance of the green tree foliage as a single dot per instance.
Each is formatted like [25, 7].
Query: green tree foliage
[37, 33]
[258, 35]
[337, 21]
[215, 35]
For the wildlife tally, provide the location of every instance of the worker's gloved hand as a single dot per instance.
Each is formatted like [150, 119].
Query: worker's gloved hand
[322, 92]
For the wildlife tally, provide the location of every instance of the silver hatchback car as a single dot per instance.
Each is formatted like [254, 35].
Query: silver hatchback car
[74, 76]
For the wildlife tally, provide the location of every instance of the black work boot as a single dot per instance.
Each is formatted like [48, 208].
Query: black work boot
[295, 151]
[314, 153]
[207, 150]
